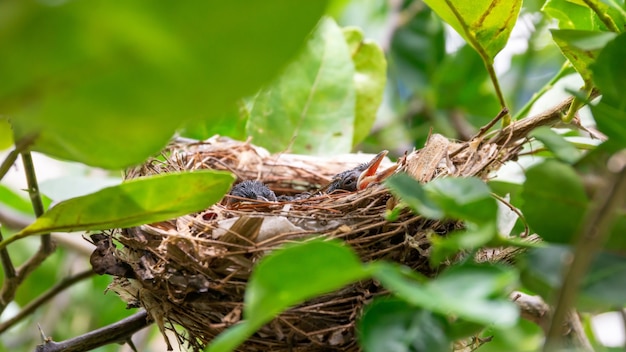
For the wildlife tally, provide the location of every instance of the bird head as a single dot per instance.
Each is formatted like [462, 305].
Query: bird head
[361, 176]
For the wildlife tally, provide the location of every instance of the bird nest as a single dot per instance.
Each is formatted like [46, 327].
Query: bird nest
[192, 271]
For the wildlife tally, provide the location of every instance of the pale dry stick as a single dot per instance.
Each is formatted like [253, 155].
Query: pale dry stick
[521, 128]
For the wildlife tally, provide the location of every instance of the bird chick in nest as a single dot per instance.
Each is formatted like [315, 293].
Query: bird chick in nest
[351, 180]
[360, 177]
[253, 190]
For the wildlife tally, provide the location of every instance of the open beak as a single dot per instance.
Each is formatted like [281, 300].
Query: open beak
[369, 175]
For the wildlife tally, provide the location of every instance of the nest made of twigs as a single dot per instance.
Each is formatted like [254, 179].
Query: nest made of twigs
[192, 271]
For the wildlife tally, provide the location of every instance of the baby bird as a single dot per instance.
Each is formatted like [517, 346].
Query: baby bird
[253, 190]
[359, 177]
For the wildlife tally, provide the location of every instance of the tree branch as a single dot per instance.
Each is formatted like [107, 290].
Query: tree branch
[593, 236]
[10, 285]
[118, 332]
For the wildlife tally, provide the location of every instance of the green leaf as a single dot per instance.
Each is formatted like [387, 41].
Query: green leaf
[135, 202]
[609, 75]
[309, 109]
[472, 237]
[286, 277]
[575, 14]
[392, 325]
[413, 194]
[417, 49]
[232, 337]
[369, 80]
[230, 123]
[602, 287]
[476, 293]
[6, 134]
[463, 198]
[554, 201]
[460, 81]
[298, 272]
[14, 200]
[618, 6]
[581, 47]
[484, 24]
[561, 148]
[111, 93]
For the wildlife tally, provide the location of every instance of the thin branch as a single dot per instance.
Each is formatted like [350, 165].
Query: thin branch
[35, 197]
[118, 332]
[40, 300]
[506, 120]
[521, 128]
[20, 146]
[593, 236]
[7, 264]
[10, 285]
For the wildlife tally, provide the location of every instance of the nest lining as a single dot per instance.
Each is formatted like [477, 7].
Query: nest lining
[192, 271]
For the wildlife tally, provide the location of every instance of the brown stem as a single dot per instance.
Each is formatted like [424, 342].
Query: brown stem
[120, 331]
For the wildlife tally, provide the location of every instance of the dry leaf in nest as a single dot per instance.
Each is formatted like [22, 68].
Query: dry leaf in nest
[192, 271]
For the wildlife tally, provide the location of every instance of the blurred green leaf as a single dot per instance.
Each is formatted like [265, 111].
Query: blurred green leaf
[392, 325]
[230, 123]
[609, 75]
[12, 199]
[310, 108]
[369, 80]
[602, 288]
[484, 24]
[296, 273]
[111, 93]
[416, 51]
[554, 201]
[135, 202]
[573, 14]
[289, 276]
[581, 47]
[618, 6]
[6, 134]
[472, 237]
[463, 198]
[476, 293]
[413, 194]
[562, 149]
[460, 81]
[232, 337]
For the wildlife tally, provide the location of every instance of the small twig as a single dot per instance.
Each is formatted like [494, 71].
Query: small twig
[117, 332]
[10, 159]
[35, 197]
[521, 128]
[10, 285]
[7, 264]
[488, 61]
[593, 235]
[40, 300]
